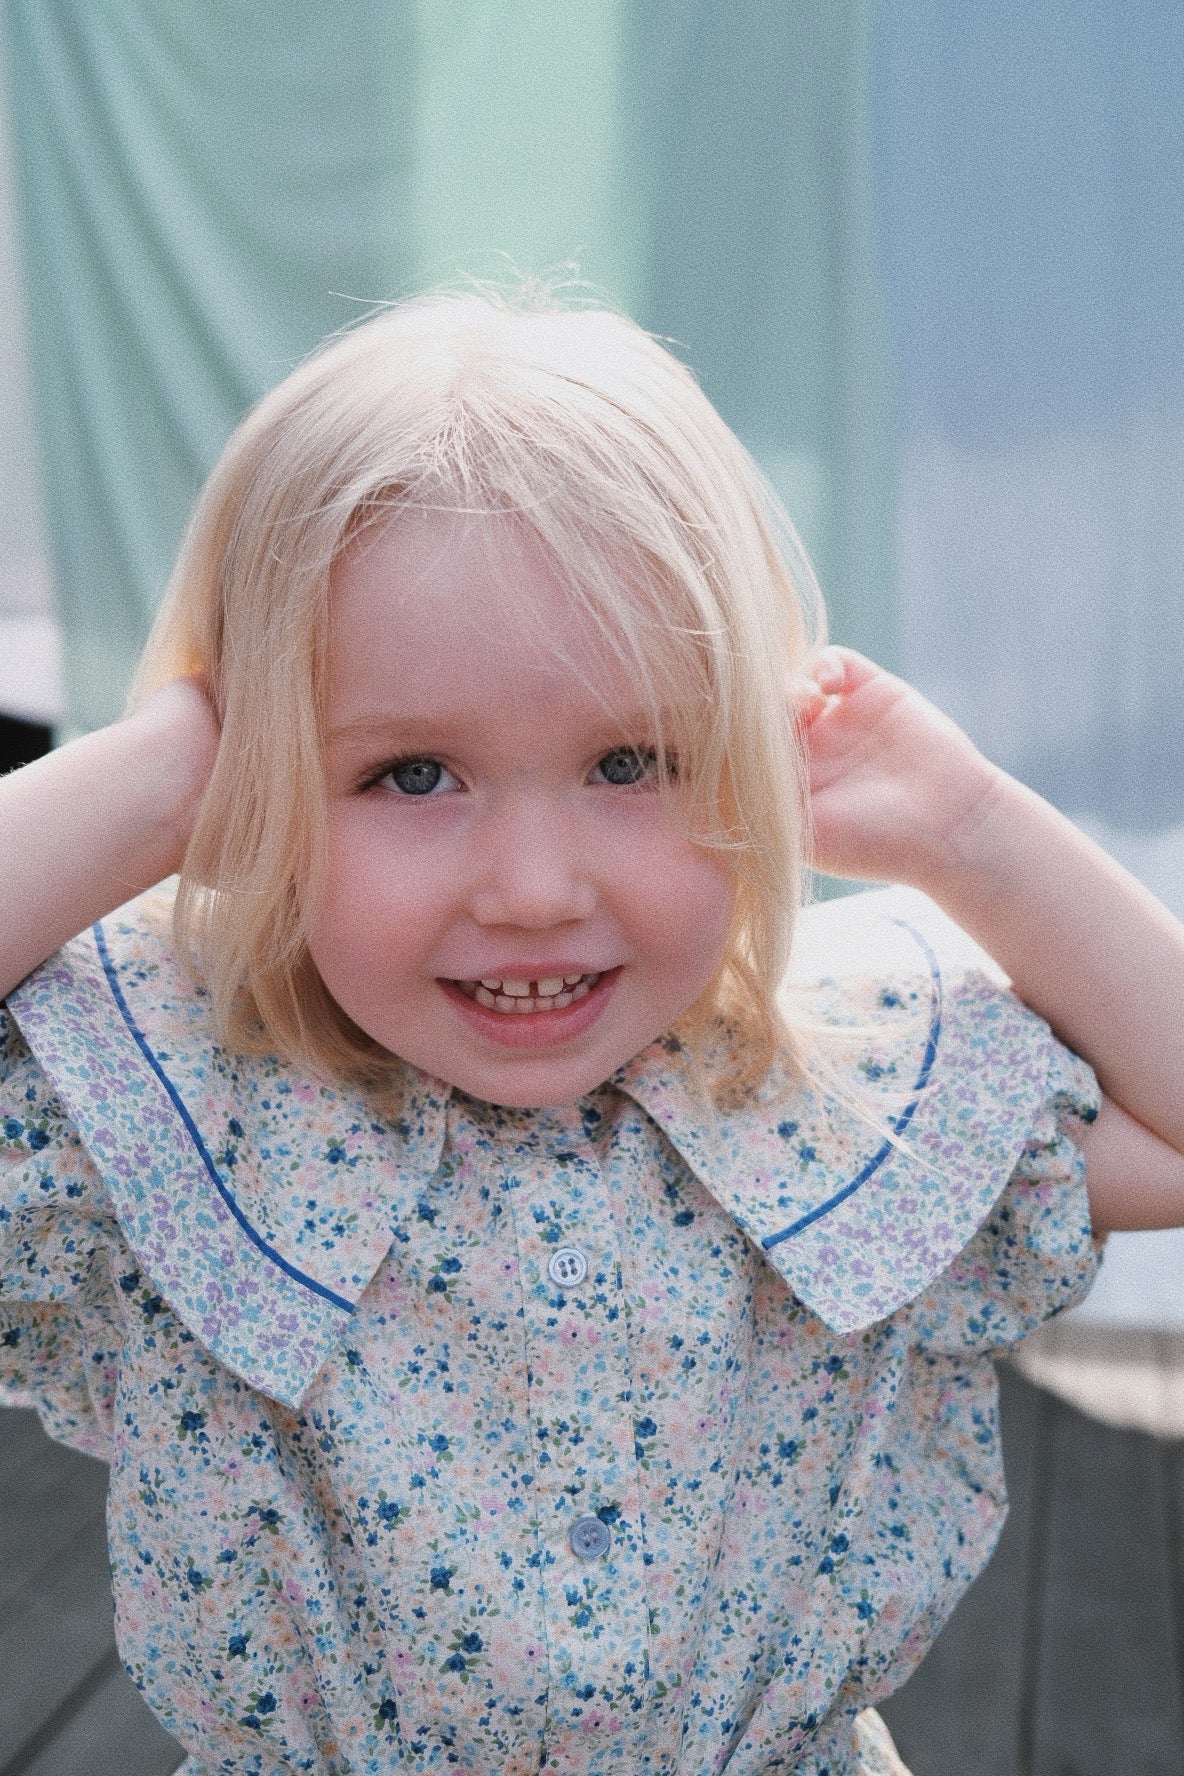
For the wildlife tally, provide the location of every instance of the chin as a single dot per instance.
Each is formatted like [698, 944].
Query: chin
[532, 1093]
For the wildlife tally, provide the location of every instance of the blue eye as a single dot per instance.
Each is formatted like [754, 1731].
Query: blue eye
[628, 765]
[418, 777]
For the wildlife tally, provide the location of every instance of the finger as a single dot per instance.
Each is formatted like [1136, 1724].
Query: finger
[807, 701]
[828, 670]
[847, 669]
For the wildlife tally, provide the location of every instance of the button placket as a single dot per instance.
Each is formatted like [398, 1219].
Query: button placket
[459, 1261]
[586, 1500]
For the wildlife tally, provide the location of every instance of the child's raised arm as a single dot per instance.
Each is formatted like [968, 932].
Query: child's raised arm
[899, 794]
[98, 821]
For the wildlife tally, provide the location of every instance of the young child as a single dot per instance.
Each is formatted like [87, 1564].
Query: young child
[518, 1343]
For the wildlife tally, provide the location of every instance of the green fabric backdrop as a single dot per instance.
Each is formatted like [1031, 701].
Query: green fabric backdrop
[207, 190]
[752, 127]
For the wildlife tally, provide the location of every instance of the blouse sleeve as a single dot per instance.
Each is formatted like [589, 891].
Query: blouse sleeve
[60, 1252]
[1034, 1255]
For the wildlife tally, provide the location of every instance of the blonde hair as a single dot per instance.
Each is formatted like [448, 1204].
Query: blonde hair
[601, 446]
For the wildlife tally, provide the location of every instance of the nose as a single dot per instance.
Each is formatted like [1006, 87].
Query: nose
[533, 871]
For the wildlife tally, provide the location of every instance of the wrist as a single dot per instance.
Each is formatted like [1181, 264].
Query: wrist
[975, 854]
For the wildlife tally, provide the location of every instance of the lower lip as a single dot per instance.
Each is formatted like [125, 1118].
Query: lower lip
[533, 1029]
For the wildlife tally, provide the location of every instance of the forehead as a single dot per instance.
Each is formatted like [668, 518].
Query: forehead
[429, 605]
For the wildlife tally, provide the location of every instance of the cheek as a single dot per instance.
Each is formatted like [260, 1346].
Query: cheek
[373, 872]
[345, 910]
[367, 918]
[697, 896]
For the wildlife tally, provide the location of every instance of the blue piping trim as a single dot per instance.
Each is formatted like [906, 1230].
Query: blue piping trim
[902, 1121]
[255, 1238]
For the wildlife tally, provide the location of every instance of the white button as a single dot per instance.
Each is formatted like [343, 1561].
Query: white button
[589, 1538]
[567, 1267]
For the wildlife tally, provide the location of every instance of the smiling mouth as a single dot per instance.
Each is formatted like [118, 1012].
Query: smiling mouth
[516, 998]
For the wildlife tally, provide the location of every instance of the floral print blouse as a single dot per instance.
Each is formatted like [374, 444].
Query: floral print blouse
[625, 1438]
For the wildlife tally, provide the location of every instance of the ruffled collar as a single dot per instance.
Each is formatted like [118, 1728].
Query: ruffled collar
[858, 1188]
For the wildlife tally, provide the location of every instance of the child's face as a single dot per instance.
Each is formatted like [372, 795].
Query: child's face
[483, 826]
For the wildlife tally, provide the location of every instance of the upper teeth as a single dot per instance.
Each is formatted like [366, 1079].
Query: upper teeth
[546, 989]
[553, 993]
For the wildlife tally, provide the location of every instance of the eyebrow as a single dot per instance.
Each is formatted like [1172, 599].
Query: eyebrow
[389, 730]
[429, 731]
[409, 734]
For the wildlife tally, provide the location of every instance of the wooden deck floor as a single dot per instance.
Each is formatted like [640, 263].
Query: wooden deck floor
[1064, 1660]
